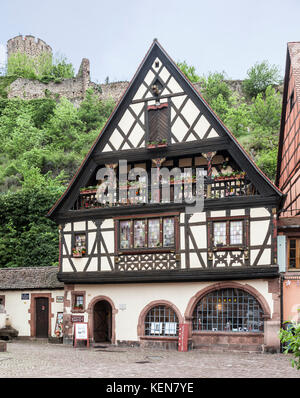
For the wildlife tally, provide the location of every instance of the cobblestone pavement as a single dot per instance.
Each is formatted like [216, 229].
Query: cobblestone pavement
[34, 359]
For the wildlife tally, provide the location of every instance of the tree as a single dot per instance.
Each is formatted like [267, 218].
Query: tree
[260, 76]
[189, 71]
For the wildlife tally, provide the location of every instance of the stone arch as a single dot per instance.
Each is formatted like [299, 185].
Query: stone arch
[147, 308]
[90, 311]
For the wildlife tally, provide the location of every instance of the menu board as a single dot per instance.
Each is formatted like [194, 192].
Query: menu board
[81, 332]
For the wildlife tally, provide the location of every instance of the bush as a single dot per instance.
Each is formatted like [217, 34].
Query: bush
[291, 340]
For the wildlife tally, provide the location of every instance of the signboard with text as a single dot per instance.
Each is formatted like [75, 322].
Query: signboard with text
[81, 332]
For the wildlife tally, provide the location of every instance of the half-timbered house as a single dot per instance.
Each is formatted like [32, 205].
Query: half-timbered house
[136, 269]
[288, 180]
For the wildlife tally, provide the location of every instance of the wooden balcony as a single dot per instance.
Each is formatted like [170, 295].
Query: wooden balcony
[138, 194]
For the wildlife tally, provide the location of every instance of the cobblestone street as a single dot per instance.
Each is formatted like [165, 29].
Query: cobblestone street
[43, 360]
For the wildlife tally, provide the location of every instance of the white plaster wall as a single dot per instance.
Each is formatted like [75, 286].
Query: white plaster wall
[17, 309]
[137, 296]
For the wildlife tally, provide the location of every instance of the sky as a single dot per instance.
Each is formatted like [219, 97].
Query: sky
[211, 35]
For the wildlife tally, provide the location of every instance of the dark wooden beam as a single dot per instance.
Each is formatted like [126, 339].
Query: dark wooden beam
[186, 148]
[186, 275]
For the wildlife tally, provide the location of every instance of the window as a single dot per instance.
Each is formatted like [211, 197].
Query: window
[2, 304]
[78, 301]
[294, 253]
[125, 227]
[79, 244]
[228, 233]
[292, 100]
[147, 233]
[161, 321]
[231, 310]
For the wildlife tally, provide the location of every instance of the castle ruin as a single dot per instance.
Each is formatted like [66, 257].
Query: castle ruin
[28, 45]
[74, 89]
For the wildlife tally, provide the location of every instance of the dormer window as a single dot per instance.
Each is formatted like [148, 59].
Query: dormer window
[292, 100]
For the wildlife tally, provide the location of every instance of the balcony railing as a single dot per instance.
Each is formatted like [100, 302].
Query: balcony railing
[139, 194]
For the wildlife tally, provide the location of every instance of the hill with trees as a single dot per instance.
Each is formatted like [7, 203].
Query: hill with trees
[43, 141]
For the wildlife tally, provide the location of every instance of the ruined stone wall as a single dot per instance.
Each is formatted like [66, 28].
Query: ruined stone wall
[28, 45]
[73, 89]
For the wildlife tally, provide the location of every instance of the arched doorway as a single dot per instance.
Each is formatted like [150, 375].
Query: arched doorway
[102, 315]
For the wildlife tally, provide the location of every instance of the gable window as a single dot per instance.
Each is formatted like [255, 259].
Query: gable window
[292, 100]
[228, 233]
[147, 233]
[294, 253]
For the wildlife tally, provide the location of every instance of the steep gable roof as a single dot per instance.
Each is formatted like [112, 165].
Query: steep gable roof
[217, 127]
[292, 65]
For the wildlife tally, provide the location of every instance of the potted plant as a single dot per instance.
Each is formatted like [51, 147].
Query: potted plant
[78, 307]
[162, 143]
[77, 253]
[152, 144]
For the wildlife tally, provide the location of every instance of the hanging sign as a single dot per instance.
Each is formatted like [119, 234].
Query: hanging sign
[81, 332]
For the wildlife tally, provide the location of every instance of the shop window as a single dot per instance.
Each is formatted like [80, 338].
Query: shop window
[147, 233]
[229, 233]
[161, 321]
[293, 253]
[229, 310]
[79, 244]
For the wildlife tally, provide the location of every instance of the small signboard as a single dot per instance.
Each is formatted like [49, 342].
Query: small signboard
[59, 299]
[24, 296]
[81, 332]
[77, 318]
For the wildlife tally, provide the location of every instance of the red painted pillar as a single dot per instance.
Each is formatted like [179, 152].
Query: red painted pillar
[183, 337]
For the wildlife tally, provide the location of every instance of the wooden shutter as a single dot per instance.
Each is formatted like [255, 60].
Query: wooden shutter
[158, 117]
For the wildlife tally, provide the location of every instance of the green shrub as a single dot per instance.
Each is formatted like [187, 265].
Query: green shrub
[291, 340]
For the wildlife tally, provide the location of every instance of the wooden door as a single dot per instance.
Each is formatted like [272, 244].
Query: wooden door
[102, 322]
[41, 316]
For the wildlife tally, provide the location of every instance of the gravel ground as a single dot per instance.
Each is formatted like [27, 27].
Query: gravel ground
[34, 359]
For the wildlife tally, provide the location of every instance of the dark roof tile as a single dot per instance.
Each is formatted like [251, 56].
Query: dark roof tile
[29, 278]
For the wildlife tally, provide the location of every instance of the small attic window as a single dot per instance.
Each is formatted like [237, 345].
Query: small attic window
[156, 64]
[156, 88]
[292, 100]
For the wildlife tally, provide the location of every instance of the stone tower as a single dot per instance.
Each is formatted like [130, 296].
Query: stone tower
[28, 45]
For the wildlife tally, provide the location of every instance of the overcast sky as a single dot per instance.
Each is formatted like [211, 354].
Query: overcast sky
[212, 35]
